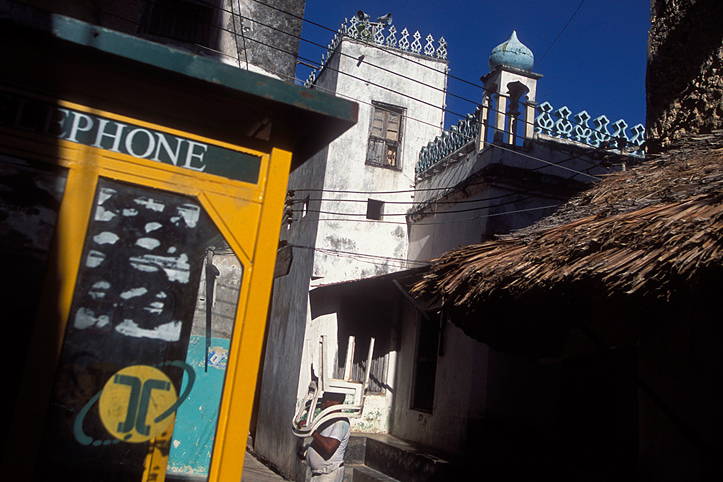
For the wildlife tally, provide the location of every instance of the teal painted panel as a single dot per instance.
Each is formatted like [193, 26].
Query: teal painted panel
[197, 417]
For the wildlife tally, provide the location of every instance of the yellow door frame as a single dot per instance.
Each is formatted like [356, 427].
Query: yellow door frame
[248, 215]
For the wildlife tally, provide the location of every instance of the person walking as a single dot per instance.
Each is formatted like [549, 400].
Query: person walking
[325, 454]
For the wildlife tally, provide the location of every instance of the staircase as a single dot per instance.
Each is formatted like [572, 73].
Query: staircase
[383, 458]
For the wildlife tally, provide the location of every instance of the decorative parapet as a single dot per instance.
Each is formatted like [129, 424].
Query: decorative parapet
[459, 135]
[550, 122]
[557, 123]
[374, 32]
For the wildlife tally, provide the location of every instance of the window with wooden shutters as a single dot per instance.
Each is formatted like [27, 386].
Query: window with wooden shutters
[385, 137]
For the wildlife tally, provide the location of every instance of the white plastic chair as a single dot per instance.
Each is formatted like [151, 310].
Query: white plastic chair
[307, 419]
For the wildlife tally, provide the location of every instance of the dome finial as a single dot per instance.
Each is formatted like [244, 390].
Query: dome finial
[512, 53]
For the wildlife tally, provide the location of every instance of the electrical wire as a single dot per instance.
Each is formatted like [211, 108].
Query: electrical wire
[384, 88]
[463, 201]
[444, 109]
[374, 45]
[220, 28]
[561, 32]
[485, 216]
[447, 189]
[453, 211]
[295, 55]
[350, 254]
[358, 255]
[478, 122]
[305, 20]
[418, 210]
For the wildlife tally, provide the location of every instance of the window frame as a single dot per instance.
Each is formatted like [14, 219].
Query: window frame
[375, 209]
[373, 157]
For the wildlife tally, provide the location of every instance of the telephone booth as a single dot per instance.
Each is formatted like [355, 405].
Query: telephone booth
[141, 197]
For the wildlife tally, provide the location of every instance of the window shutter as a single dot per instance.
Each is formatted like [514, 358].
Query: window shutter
[385, 137]
[377, 151]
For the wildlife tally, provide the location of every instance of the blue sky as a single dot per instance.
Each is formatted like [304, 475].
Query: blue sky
[597, 64]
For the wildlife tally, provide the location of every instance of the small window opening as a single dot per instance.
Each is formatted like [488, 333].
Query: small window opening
[305, 207]
[375, 209]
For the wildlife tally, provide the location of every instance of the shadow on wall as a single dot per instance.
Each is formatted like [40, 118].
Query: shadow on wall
[366, 318]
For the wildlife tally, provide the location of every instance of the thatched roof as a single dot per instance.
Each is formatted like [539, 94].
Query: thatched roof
[643, 231]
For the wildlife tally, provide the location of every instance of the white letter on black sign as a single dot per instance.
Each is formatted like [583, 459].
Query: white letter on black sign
[190, 155]
[102, 133]
[129, 143]
[76, 127]
[54, 122]
[162, 142]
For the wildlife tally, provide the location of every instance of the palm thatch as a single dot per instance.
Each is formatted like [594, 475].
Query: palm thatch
[643, 231]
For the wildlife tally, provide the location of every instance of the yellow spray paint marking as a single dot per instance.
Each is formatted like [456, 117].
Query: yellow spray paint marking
[135, 402]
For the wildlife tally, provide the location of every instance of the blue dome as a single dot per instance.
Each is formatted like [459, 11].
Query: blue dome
[512, 54]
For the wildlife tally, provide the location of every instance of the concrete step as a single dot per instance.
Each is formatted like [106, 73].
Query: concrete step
[362, 473]
[355, 448]
[397, 459]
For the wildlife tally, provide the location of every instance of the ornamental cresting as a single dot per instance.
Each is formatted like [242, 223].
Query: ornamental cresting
[549, 122]
[374, 32]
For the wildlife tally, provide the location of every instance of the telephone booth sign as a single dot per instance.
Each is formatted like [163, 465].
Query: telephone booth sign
[141, 199]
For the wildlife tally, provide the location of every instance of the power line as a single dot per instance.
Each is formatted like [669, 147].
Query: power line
[384, 69]
[463, 201]
[559, 34]
[485, 216]
[479, 123]
[444, 109]
[453, 211]
[296, 56]
[351, 254]
[446, 188]
[373, 45]
[377, 85]
[528, 194]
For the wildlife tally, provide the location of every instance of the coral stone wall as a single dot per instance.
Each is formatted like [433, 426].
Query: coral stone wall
[685, 70]
[273, 40]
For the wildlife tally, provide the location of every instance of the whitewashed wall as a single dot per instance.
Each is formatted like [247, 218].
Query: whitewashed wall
[346, 168]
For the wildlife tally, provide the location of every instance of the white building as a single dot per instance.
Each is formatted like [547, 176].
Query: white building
[346, 219]
[368, 212]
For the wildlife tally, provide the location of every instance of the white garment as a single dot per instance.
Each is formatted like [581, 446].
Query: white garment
[334, 476]
[338, 429]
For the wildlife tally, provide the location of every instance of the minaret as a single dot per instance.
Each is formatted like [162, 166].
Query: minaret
[509, 80]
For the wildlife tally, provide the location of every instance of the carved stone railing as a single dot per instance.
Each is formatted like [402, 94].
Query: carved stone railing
[374, 32]
[557, 123]
[459, 135]
[553, 123]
